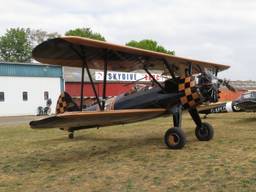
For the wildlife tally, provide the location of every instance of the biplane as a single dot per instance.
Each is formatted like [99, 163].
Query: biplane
[245, 103]
[220, 107]
[189, 85]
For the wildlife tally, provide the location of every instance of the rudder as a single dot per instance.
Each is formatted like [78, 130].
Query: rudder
[65, 103]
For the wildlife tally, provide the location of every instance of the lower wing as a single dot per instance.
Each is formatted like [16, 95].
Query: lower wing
[89, 119]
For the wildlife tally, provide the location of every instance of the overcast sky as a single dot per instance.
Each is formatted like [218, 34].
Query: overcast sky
[222, 31]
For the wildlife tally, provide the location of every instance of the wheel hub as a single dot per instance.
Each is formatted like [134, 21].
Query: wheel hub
[203, 131]
[173, 139]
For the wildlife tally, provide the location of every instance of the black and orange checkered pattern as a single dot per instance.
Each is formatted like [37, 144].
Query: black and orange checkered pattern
[61, 104]
[66, 103]
[189, 96]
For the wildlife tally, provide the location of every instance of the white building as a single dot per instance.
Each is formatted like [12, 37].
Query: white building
[24, 87]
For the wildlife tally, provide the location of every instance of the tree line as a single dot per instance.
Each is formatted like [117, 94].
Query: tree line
[16, 44]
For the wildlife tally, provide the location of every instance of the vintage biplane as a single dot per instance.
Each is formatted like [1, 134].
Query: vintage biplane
[245, 103]
[189, 85]
[220, 107]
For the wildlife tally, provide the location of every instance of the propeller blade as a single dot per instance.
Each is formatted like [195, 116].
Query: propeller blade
[223, 82]
[226, 83]
[230, 87]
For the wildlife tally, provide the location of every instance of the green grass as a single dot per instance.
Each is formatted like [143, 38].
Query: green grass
[130, 158]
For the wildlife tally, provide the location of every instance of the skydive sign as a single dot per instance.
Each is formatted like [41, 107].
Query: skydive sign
[122, 76]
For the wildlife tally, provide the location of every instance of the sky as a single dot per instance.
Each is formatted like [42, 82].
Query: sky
[221, 31]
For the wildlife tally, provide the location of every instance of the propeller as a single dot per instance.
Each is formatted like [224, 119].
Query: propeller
[227, 84]
[223, 82]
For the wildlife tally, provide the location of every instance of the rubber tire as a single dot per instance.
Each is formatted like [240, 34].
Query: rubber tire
[179, 136]
[71, 135]
[205, 133]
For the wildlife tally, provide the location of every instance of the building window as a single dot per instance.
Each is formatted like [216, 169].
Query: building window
[25, 95]
[46, 95]
[1, 96]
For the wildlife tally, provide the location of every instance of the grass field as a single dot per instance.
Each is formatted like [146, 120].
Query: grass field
[130, 158]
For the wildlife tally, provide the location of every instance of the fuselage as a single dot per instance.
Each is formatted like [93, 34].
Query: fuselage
[148, 97]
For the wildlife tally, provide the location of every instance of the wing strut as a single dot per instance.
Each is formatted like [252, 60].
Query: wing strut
[93, 85]
[216, 72]
[153, 78]
[82, 89]
[85, 65]
[105, 79]
[190, 69]
[82, 57]
[168, 66]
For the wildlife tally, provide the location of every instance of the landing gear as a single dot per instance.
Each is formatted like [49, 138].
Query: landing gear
[71, 135]
[205, 132]
[175, 138]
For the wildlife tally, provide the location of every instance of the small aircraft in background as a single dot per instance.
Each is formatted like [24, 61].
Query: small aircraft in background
[190, 83]
[245, 103]
[220, 107]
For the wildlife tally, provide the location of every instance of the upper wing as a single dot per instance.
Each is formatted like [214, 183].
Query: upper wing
[70, 51]
[89, 119]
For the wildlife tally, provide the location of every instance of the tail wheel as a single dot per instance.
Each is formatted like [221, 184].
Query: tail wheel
[175, 138]
[205, 132]
[71, 135]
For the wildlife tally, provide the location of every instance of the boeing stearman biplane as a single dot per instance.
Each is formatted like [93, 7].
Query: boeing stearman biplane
[180, 91]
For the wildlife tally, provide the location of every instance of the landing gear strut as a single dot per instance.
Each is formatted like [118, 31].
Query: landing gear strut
[203, 131]
[174, 137]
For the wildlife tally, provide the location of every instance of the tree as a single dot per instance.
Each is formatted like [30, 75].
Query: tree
[15, 45]
[149, 45]
[38, 36]
[85, 32]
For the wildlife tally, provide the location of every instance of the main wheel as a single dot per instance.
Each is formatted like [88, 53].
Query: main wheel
[175, 138]
[205, 132]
